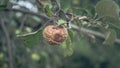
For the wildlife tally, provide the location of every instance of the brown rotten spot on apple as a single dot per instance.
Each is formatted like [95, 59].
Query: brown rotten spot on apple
[55, 34]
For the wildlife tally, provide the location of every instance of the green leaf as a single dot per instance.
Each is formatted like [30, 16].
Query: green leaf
[79, 11]
[48, 10]
[107, 8]
[3, 3]
[113, 22]
[61, 22]
[31, 39]
[110, 37]
[65, 5]
[67, 47]
[70, 32]
[90, 10]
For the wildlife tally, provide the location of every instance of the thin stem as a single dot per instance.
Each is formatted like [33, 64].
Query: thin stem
[23, 22]
[9, 47]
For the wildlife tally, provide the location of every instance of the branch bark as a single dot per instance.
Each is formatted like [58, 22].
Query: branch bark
[88, 31]
[73, 26]
[9, 47]
[27, 12]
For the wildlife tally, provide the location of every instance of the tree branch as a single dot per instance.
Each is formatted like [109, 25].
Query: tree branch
[27, 12]
[84, 30]
[88, 31]
[10, 55]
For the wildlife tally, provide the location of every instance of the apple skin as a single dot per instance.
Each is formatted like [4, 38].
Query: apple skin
[55, 34]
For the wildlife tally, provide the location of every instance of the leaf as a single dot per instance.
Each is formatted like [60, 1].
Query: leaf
[61, 22]
[110, 37]
[31, 39]
[3, 3]
[48, 10]
[65, 5]
[113, 22]
[79, 11]
[70, 32]
[67, 47]
[107, 8]
[90, 10]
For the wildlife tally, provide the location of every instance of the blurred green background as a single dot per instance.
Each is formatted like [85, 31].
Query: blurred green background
[85, 52]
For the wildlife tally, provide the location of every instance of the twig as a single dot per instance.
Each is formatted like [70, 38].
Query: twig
[58, 4]
[87, 31]
[23, 22]
[8, 44]
[27, 12]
